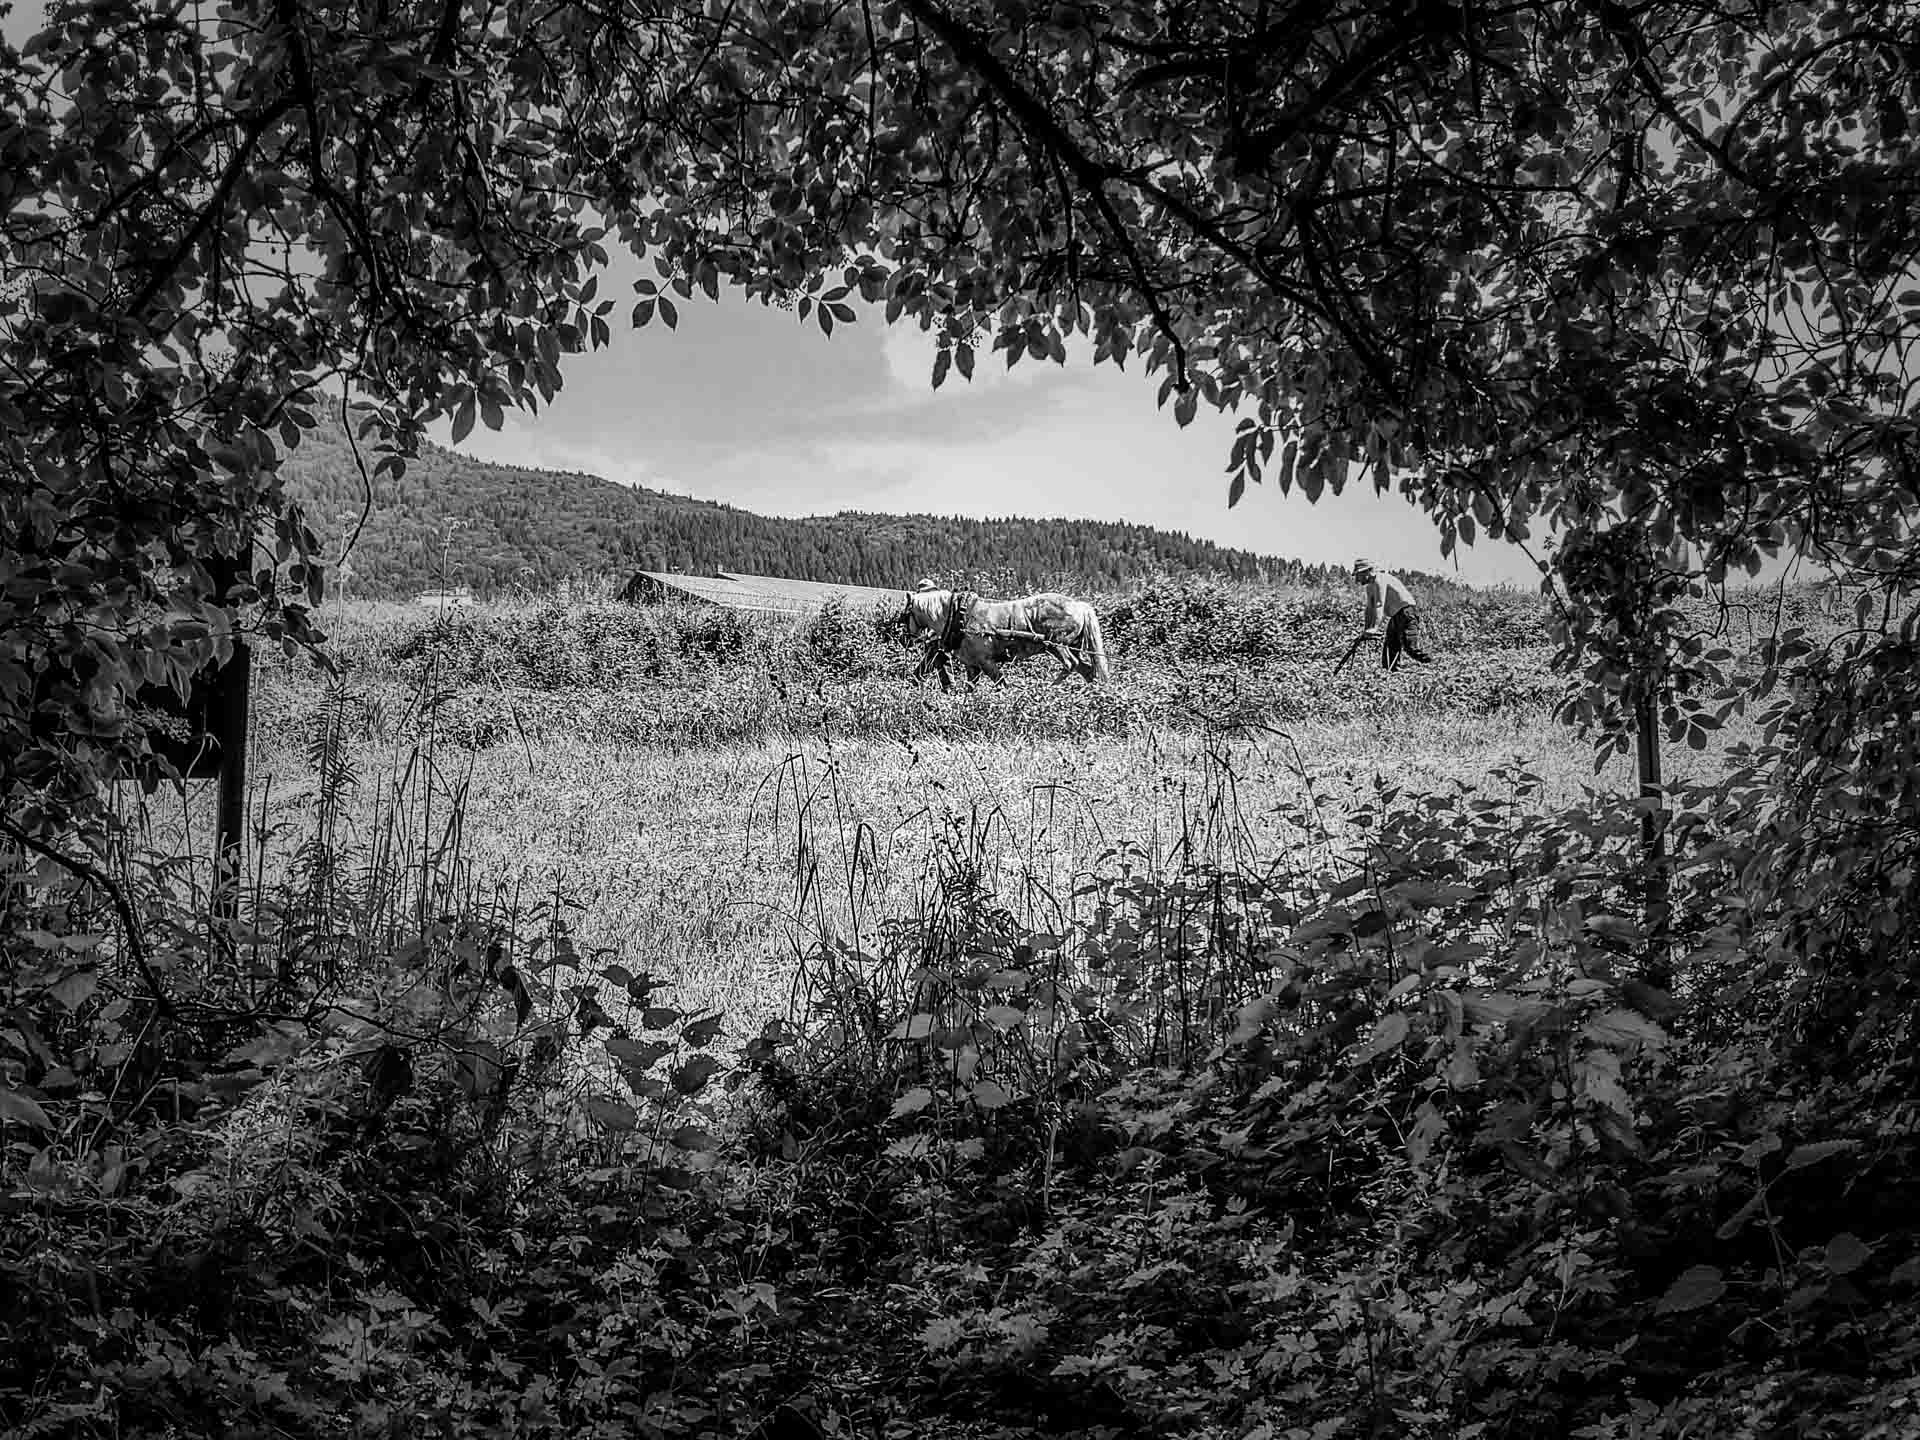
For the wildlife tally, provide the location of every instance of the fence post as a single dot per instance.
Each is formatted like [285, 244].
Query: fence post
[1653, 825]
[229, 726]
[226, 720]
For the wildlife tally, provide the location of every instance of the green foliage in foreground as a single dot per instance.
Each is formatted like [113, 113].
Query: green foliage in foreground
[1402, 1138]
[1408, 1128]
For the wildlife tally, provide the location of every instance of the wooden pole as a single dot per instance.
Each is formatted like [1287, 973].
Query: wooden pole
[226, 721]
[227, 717]
[1653, 825]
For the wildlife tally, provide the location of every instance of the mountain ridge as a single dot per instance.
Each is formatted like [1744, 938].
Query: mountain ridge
[503, 528]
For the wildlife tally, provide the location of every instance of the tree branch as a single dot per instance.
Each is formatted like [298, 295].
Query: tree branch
[1092, 174]
[215, 206]
[129, 922]
[1617, 20]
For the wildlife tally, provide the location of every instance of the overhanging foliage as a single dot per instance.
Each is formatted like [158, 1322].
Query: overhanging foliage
[1560, 261]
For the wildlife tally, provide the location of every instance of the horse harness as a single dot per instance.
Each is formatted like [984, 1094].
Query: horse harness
[962, 615]
[957, 614]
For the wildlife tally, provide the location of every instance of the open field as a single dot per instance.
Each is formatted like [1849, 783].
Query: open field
[715, 867]
[651, 1013]
[708, 798]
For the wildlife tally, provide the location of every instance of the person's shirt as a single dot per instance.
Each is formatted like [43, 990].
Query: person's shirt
[1387, 596]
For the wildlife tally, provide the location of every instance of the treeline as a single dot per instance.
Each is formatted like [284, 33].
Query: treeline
[503, 529]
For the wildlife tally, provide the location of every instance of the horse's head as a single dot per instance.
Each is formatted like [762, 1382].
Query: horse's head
[926, 611]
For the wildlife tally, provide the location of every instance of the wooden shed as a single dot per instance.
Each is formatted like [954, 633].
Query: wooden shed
[756, 594]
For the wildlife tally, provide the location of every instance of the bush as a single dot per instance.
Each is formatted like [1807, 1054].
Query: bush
[1204, 620]
[1413, 1127]
[836, 642]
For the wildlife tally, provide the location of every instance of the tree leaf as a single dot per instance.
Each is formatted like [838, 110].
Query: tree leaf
[913, 1101]
[1697, 1288]
[1805, 1155]
[15, 1106]
[990, 1095]
[1622, 1029]
[1846, 1253]
[613, 1114]
[1389, 1033]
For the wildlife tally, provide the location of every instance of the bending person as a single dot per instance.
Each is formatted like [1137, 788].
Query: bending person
[1388, 598]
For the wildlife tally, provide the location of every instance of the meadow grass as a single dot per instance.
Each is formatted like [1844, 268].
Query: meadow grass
[1070, 967]
[717, 869]
[708, 798]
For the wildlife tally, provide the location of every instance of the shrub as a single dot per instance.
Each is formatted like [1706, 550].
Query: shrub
[1412, 1125]
[836, 642]
[1205, 620]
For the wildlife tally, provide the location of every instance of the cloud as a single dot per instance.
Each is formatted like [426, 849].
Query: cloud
[909, 353]
[515, 444]
[1102, 452]
[747, 407]
[1023, 451]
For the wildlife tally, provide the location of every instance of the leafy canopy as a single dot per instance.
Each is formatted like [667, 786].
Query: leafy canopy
[1555, 262]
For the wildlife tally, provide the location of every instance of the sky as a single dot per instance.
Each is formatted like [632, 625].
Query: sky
[748, 405]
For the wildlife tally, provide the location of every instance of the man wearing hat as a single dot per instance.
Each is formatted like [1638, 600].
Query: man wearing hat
[1388, 596]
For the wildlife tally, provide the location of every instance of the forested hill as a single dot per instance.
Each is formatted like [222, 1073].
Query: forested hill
[533, 528]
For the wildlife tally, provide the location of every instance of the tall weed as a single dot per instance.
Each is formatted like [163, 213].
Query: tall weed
[1384, 1113]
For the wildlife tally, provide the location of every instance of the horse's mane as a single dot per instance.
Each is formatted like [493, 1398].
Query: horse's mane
[929, 608]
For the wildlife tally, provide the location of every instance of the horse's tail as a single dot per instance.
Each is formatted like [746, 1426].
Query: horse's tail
[1096, 644]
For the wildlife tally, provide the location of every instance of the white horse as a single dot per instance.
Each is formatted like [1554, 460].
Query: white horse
[929, 612]
[987, 633]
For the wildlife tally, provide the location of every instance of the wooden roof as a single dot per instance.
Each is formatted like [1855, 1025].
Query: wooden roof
[771, 594]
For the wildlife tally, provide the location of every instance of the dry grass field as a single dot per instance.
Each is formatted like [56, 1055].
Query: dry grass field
[661, 1014]
[708, 799]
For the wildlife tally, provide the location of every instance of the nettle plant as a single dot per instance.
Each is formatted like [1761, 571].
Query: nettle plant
[1441, 1151]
